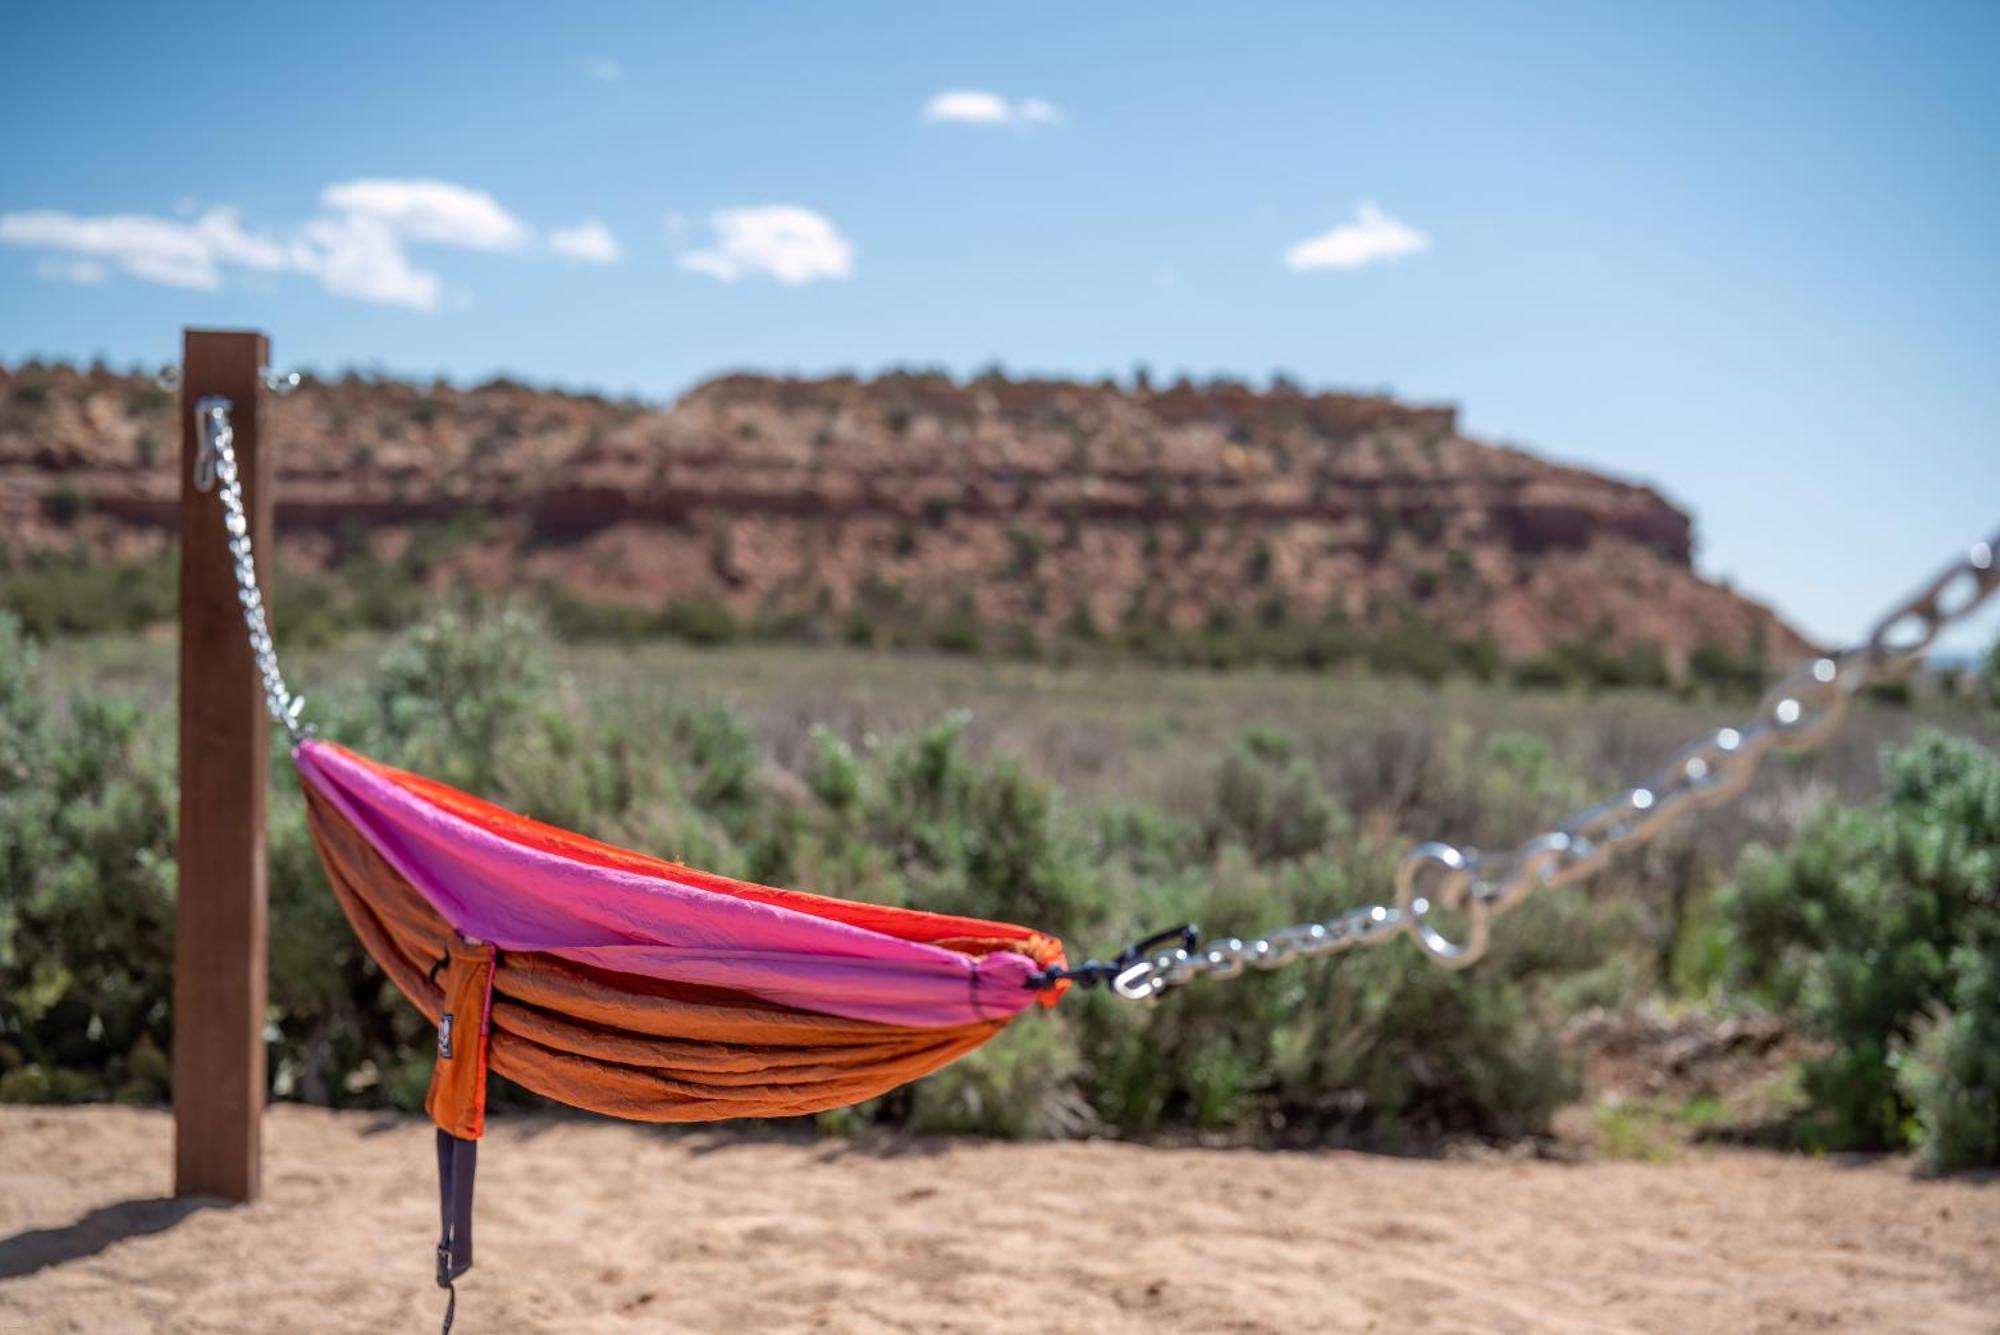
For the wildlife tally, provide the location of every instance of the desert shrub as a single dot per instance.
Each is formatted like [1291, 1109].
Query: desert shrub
[859, 629]
[958, 630]
[1714, 668]
[959, 836]
[700, 621]
[362, 591]
[1269, 800]
[57, 596]
[1879, 931]
[835, 774]
[1951, 1075]
[1543, 672]
[452, 693]
[1376, 1047]
[1587, 663]
[1379, 1048]
[86, 890]
[1022, 1084]
[1275, 633]
[575, 618]
[1415, 648]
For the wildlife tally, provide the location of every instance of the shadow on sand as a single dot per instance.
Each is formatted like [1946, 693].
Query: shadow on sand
[40, 1248]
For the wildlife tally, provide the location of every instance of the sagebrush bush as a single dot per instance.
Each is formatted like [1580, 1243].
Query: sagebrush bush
[1268, 800]
[59, 596]
[1375, 1047]
[1880, 930]
[1951, 1074]
[86, 891]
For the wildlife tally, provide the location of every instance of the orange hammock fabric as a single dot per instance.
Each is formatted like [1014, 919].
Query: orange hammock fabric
[628, 985]
[633, 1044]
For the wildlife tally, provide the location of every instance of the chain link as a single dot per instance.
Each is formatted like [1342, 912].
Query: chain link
[1802, 710]
[215, 463]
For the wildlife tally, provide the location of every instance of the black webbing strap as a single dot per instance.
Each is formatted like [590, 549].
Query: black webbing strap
[458, 1161]
[1090, 973]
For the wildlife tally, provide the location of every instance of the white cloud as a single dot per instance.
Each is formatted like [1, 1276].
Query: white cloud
[359, 251]
[1372, 238]
[973, 106]
[782, 241]
[435, 211]
[362, 257]
[159, 250]
[230, 244]
[358, 247]
[969, 107]
[603, 70]
[588, 242]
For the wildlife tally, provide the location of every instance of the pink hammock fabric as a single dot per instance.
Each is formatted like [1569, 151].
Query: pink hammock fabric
[656, 919]
[628, 985]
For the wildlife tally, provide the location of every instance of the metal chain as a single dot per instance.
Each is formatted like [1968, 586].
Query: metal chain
[216, 462]
[1802, 710]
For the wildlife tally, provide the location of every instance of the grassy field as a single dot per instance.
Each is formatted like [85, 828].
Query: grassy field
[1098, 802]
[1129, 731]
[1475, 764]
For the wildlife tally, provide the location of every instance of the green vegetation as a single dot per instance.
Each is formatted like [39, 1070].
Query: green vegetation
[86, 890]
[372, 592]
[700, 621]
[1721, 672]
[1582, 663]
[1100, 805]
[1382, 1049]
[53, 596]
[1634, 1131]
[1880, 930]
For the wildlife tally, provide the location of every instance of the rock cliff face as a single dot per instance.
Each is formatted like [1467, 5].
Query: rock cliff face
[1042, 508]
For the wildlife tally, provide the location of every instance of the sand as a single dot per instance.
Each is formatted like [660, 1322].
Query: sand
[588, 1226]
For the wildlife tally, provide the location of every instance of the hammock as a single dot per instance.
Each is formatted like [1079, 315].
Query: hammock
[637, 987]
[632, 986]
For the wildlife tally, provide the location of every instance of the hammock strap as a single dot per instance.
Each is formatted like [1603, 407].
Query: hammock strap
[457, 1101]
[1091, 973]
[457, 1097]
[458, 1162]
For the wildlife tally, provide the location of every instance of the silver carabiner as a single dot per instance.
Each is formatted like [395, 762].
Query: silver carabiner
[211, 417]
[1137, 983]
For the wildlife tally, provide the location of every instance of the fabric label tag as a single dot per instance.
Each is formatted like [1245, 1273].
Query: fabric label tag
[444, 1036]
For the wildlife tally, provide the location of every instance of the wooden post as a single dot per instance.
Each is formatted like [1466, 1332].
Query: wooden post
[219, 920]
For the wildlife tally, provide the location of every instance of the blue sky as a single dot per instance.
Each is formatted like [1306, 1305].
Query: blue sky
[1746, 253]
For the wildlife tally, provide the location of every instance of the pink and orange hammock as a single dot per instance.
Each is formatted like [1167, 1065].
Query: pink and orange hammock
[632, 986]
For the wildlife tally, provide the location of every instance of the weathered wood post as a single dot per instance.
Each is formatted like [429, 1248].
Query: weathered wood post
[220, 917]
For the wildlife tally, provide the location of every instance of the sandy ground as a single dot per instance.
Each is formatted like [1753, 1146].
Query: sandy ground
[592, 1226]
